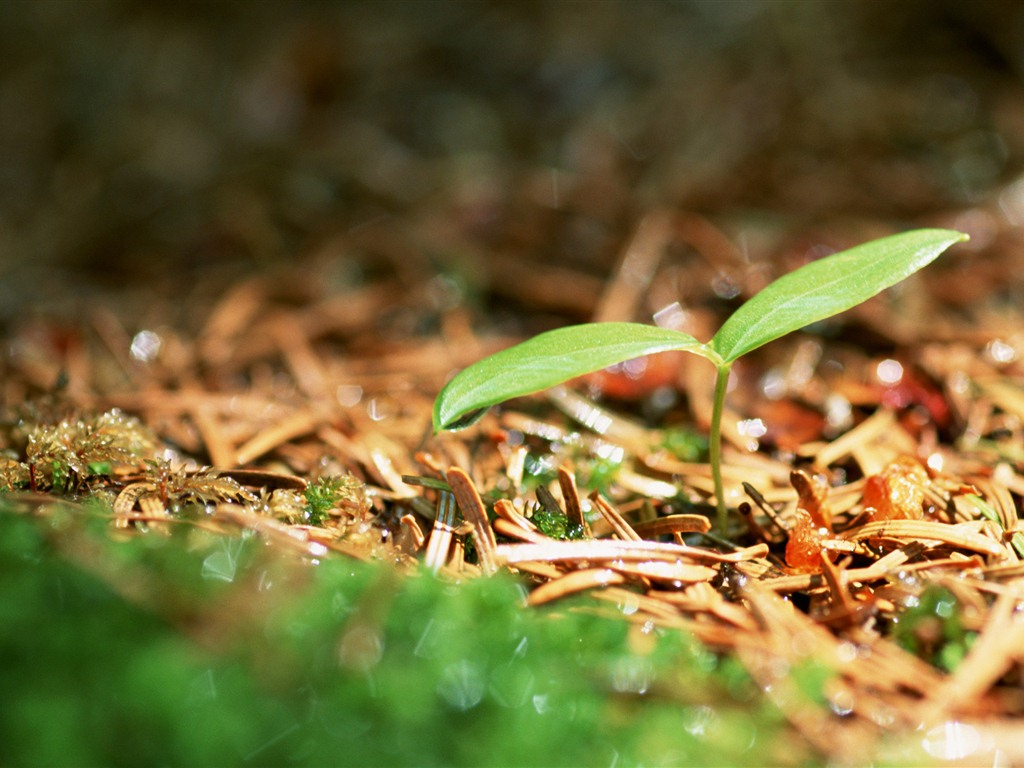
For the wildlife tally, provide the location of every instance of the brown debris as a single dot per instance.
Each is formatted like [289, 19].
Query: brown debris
[611, 549]
[617, 522]
[571, 496]
[672, 524]
[473, 510]
[960, 536]
[295, 425]
[573, 582]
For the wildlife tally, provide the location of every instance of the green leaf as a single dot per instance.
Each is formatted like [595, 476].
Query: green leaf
[827, 287]
[549, 359]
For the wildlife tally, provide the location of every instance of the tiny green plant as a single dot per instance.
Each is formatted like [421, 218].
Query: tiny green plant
[813, 292]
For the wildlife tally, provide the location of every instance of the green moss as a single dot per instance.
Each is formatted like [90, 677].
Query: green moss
[277, 662]
[327, 493]
[684, 444]
[64, 455]
[934, 629]
[556, 525]
[595, 473]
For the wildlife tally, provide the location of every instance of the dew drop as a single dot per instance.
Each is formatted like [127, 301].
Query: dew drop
[1000, 351]
[349, 395]
[146, 346]
[725, 287]
[462, 685]
[841, 702]
[632, 675]
[889, 372]
[951, 741]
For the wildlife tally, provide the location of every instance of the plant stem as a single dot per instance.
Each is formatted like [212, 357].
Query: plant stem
[715, 444]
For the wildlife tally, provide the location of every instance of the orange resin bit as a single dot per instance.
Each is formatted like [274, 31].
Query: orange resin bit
[897, 492]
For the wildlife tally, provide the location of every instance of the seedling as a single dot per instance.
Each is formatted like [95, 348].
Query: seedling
[815, 291]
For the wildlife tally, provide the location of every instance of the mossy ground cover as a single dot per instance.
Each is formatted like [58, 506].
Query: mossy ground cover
[278, 662]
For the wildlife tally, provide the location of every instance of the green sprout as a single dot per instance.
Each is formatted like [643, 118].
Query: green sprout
[815, 291]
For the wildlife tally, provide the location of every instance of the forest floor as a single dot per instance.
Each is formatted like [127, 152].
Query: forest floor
[233, 317]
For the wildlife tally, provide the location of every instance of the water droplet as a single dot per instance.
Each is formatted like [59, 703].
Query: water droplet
[222, 564]
[340, 605]
[778, 668]
[697, 720]
[462, 685]
[146, 346]
[752, 428]
[773, 384]
[444, 292]
[632, 675]
[725, 287]
[846, 652]
[512, 685]
[1011, 202]
[377, 410]
[889, 372]
[349, 395]
[630, 605]
[1000, 351]
[316, 549]
[360, 647]
[838, 411]
[671, 316]
[841, 702]
[540, 703]
[203, 687]
[951, 741]
[883, 716]
[521, 648]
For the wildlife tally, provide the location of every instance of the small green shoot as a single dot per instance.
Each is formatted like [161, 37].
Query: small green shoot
[813, 292]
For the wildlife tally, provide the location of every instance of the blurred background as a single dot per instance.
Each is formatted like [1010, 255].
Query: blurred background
[155, 152]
